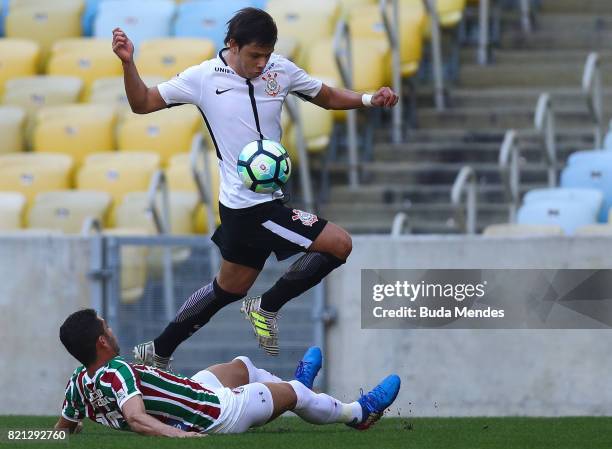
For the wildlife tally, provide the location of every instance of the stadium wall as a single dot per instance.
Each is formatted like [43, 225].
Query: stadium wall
[42, 280]
[445, 372]
[471, 372]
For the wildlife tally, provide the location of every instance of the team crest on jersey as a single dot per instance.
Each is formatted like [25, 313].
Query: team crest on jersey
[306, 218]
[272, 86]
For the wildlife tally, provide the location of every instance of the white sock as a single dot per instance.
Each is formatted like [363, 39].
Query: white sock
[321, 408]
[258, 374]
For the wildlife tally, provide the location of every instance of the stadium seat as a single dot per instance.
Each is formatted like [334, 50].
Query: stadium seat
[45, 22]
[77, 130]
[89, 15]
[591, 169]
[111, 91]
[133, 264]
[318, 126]
[567, 214]
[591, 197]
[594, 230]
[66, 210]
[302, 24]
[132, 212]
[321, 63]
[12, 124]
[170, 56]
[117, 178]
[287, 46]
[31, 173]
[180, 179]
[110, 159]
[35, 92]
[167, 132]
[140, 19]
[366, 22]
[12, 205]
[86, 58]
[522, 230]
[205, 19]
[18, 57]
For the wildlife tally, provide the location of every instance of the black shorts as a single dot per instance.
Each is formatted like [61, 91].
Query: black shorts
[248, 236]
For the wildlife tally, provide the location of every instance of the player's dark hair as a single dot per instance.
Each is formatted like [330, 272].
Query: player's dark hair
[79, 334]
[252, 26]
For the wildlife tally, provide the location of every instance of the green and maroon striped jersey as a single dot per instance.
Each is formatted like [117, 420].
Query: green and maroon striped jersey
[173, 399]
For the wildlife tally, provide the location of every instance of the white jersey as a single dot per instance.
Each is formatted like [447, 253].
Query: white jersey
[238, 111]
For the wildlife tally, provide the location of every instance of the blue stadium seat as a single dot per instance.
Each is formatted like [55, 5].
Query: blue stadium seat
[89, 15]
[140, 19]
[567, 214]
[591, 169]
[591, 197]
[207, 18]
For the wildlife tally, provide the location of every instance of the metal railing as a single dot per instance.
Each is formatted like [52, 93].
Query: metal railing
[436, 54]
[201, 170]
[161, 219]
[509, 169]
[344, 59]
[484, 13]
[399, 224]
[544, 121]
[304, 167]
[526, 16]
[592, 89]
[465, 215]
[392, 30]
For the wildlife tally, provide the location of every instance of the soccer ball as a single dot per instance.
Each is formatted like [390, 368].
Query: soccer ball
[264, 166]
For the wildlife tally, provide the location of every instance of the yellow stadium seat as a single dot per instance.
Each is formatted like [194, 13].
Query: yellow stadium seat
[167, 132]
[18, 57]
[287, 46]
[66, 210]
[304, 24]
[318, 124]
[35, 92]
[170, 56]
[370, 77]
[132, 212]
[77, 130]
[348, 5]
[180, 179]
[133, 265]
[30, 174]
[112, 91]
[87, 58]
[521, 230]
[12, 205]
[116, 178]
[12, 124]
[366, 22]
[45, 23]
[110, 159]
[450, 13]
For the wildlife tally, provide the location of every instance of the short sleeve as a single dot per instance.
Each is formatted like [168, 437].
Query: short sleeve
[121, 379]
[73, 408]
[301, 83]
[183, 88]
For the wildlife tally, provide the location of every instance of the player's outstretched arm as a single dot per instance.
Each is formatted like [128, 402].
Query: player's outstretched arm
[138, 420]
[335, 98]
[72, 426]
[142, 99]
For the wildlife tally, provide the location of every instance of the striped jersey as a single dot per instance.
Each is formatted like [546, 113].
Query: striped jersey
[237, 111]
[173, 399]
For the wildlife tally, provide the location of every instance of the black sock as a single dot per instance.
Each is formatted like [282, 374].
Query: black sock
[193, 314]
[305, 273]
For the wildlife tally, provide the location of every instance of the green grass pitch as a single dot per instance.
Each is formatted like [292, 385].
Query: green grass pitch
[291, 433]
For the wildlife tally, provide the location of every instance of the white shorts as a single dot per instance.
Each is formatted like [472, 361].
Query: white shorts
[241, 408]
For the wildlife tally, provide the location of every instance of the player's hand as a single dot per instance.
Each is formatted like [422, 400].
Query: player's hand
[193, 435]
[122, 46]
[385, 98]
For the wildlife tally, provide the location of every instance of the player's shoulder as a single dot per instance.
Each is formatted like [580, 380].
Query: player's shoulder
[118, 363]
[77, 372]
[279, 61]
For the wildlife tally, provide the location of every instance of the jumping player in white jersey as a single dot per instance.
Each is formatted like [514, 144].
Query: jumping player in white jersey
[226, 398]
[240, 94]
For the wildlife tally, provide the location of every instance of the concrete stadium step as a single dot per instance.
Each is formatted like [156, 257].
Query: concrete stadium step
[582, 39]
[466, 152]
[553, 22]
[561, 56]
[562, 97]
[499, 117]
[545, 75]
[575, 6]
